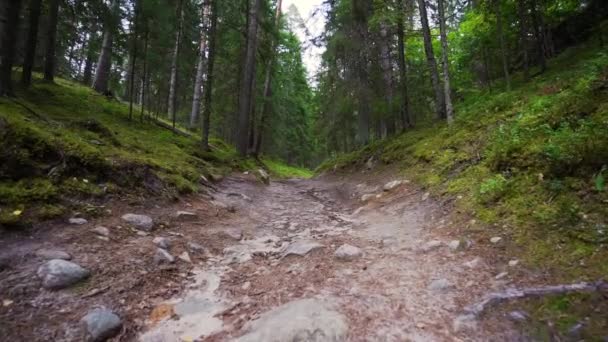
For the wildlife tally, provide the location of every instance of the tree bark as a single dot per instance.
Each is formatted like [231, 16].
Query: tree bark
[32, 40]
[9, 22]
[87, 73]
[144, 81]
[387, 76]
[406, 120]
[171, 106]
[501, 39]
[50, 59]
[104, 63]
[449, 110]
[209, 81]
[200, 68]
[247, 78]
[134, 35]
[432, 63]
[267, 85]
[523, 31]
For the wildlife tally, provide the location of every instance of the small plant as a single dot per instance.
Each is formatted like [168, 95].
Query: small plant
[599, 181]
[492, 189]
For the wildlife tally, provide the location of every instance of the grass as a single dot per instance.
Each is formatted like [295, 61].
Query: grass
[63, 143]
[530, 160]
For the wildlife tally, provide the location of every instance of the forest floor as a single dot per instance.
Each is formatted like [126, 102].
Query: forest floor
[408, 283]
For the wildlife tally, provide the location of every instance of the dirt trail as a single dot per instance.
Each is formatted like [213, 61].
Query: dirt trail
[408, 284]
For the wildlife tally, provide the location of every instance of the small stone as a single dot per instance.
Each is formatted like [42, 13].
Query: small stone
[246, 286]
[426, 196]
[454, 244]
[235, 234]
[431, 245]
[495, 239]
[185, 257]
[100, 324]
[216, 177]
[7, 302]
[440, 285]
[78, 221]
[513, 263]
[100, 230]
[301, 248]
[162, 256]
[464, 322]
[195, 247]
[142, 222]
[185, 216]
[348, 252]
[264, 177]
[57, 274]
[575, 331]
[49, 254]
[518, 316]
[391, 185]
[162, 242]
[473, 263]
[501, 275]
[103, 238]
[367, 197]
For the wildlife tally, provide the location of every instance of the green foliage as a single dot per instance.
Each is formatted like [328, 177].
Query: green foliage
[281, 170]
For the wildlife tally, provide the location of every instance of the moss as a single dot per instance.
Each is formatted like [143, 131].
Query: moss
[280, 170]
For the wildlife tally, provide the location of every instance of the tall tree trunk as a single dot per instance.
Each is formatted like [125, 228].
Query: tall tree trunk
[134, 36]
[144, 75]
[246, 92]
[104, 63]
[9, 23]
[171, 105]
[501, 39]
[387, 76]
[32, 40]
[209, 82]
[200, 68]
[432, 63]
[523, 40]
[50, 59]
[449, 109]
[538, 34]
[406, 120]
[87, 73]
[266, 103]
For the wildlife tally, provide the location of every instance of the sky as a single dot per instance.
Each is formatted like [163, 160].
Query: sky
[311, 54]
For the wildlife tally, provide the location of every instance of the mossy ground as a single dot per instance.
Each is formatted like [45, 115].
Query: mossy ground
[62, 143]
[530, 163]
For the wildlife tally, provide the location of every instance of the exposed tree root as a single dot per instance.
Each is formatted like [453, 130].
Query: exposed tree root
[510, 294]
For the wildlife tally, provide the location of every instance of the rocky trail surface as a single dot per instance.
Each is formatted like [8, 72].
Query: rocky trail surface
[298, 260]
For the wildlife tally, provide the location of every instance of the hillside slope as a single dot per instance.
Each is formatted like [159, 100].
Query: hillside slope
[66, 147]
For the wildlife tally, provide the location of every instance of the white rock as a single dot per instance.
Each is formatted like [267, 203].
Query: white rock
[473, 263]
[246, 286]
[101, 230]
[195, 247]
[513, 263]
[162, 242]
[440, 285]
[518, 316]
[78, 221]
[185, 215]
[142, 222]
[304, 320]
[391, 185]
[431, 245]
[426, 196]
[185, 257]
[49, 254]
[162, 256]
[501, 275]
[464, 323]
[495, 239]
[454, 244]
[348, 252]
[264, 177]
[301, 248]
[367, 197]
[233, 233]
[58, 273]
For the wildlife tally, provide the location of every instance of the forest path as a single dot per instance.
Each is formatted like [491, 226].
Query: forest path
[408, 284]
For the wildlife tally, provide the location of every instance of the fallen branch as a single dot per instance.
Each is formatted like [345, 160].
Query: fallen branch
[169, 127]
[510, 294]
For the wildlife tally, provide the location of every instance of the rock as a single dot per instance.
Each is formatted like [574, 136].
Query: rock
[264, 177]
[58, 273]
[304, 320]
[185, 216]
[78, 221]
[464, 323]
[370, 163]
[575, 331]
[426, 196]
[162, 256]
[142, 222]
[301, 248]
[100, 324]
[100, 230]
[195, 247]
[246, 286]
[49, 254]
[473, 263]
[495, 239]
[518, 316]
[501, 275]
[347, 252]
[185, 257]
[513, 263]
[454, 245]
[367, 197]
[391, 185]
[162, 242]
[235, 234]
[440, 285]
[431, 245]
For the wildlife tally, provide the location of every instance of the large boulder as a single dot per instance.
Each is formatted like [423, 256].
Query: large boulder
[100, 324]
[304, 320]
[142, 222]
[57, 274]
